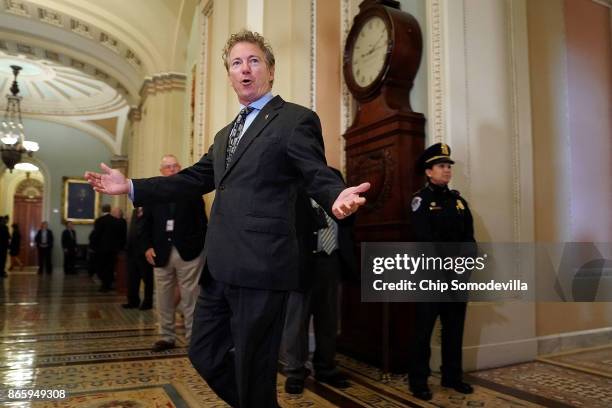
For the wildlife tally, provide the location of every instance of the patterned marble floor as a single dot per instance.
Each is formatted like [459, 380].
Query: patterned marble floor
[60, 334]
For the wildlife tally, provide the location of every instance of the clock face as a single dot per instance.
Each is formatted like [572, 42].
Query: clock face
[369, 51]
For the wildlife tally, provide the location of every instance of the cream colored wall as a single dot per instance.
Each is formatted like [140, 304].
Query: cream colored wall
[287, 28]
[328, 88]
[161, 128]
[571, 133]
[483, 111]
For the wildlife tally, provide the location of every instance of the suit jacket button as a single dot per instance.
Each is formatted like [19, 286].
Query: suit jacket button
[169, 239]
[315, 233]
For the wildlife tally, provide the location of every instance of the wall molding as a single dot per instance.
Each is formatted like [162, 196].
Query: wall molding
[313, 55]
[162, 83]
[563, 342]
[346, 102]
[436, 117]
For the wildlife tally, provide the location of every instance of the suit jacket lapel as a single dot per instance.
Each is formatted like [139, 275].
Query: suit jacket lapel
[267, 114]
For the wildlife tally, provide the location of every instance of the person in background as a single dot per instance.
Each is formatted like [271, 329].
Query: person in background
[138, 267]
[326, 255]
[439, 214]
[174, 233]
[69, 245]
[15, 248]
[121, 227]
[44, 245]
[4, 245]
[107, 239]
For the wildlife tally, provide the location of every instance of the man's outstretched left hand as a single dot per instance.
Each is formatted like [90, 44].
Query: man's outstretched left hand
[349, 201]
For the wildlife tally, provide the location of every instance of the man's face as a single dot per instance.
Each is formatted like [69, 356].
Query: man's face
[249, 73]
[44, 225]
[169, 166]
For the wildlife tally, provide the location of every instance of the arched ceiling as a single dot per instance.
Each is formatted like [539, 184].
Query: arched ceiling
[53, 88]
[86, 60]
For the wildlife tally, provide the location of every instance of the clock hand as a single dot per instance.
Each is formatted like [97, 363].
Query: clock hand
[374, 46]
[371, 51]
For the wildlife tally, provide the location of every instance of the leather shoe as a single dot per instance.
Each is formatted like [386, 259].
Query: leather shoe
[146, 306]
[459, 386]
[129, 306]
[336, 380]
[294, 385]
[162, 345]
[422, 393]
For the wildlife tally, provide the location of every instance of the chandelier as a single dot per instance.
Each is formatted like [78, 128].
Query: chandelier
[14, 144]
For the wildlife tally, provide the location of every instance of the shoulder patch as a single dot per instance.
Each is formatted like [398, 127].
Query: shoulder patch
[416, 203]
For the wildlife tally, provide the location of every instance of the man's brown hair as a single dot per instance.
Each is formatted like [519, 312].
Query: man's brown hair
[250, 37]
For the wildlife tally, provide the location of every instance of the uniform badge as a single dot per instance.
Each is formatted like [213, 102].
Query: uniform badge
[460, 205]
[416, 203]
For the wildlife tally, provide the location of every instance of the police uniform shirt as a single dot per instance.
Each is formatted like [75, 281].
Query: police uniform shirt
[441, 215]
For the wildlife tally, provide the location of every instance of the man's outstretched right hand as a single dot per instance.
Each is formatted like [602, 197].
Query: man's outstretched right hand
[110, 181]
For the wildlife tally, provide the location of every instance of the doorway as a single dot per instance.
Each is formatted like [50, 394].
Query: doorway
[27, 213]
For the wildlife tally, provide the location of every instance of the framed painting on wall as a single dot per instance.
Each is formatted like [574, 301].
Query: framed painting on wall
[80, 203]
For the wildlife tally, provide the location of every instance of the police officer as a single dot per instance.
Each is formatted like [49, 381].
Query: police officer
[439, 215]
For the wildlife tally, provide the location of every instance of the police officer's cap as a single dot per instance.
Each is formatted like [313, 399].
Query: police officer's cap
[436, 153]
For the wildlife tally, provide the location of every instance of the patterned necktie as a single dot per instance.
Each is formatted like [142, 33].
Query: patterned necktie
[327, 237]
[235, 134]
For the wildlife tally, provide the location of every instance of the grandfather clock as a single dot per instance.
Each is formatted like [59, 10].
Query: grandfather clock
[381, 58]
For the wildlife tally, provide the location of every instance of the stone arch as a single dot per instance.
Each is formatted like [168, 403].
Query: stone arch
[30, 187]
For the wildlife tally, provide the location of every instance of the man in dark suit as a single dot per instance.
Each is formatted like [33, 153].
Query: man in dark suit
[4, 245]
[44, 245]
[138, 267]
[327, 255]
[69, 245]
[174, 235]
[108, 237]
[256, 164]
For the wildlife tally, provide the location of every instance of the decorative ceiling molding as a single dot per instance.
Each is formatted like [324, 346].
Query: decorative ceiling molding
[163, 82]
[62, 86]
[85, 125]
[135, 114]
[108, 124]
[46, 15]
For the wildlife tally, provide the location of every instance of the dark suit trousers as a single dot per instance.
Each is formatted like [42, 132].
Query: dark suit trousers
[324, 308]
[235, 341]
[3, 253]
[44, 260]
[294, 349]
[69, 255]
[320, 302]
[106, 268]
[139, 269]
[452, 318]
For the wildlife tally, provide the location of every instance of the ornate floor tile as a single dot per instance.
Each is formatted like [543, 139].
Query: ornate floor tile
[597, 360]
[556, 383]
[61, 333]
